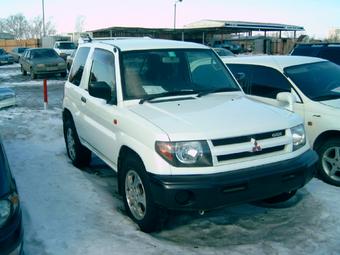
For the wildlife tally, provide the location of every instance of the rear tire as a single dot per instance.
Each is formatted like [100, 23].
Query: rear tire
[79, 154]
[136, 193]
[280, 198]
[329, 161]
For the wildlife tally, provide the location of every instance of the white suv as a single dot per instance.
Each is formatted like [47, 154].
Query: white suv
[173, 123]
[307, 86]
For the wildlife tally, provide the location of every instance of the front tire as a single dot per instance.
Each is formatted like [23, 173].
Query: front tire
[79, 154]
[33, 75]
[329, 161]
[137, 198]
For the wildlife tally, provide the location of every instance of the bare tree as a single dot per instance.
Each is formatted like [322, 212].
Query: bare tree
[80, 23]
[36, 27]
[17, 25]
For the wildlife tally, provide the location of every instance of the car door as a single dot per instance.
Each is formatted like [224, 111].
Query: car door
[263, 83]
[76, 88]
[100, 116]
[24, 60]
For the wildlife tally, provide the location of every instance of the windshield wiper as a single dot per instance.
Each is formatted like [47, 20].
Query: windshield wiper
[167, 94]
[206, 92]
[326, 97]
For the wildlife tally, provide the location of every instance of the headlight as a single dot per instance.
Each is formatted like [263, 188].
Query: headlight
[8, 207]
[185, 154]
[61, 64]
[40, 65]
[299, 137]
[5, 211]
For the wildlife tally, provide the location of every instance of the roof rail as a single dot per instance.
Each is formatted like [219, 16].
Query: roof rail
[118, 38]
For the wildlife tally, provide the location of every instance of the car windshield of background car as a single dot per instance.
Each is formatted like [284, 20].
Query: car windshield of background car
[160, 72]
[67, 46]
[319, 81]
[44, 54]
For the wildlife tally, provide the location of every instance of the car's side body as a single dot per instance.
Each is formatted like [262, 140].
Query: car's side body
[11, 230]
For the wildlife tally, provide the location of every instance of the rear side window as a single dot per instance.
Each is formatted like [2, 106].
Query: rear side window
[307, 50]
[331, 53]
[261, 80]
[78, 65]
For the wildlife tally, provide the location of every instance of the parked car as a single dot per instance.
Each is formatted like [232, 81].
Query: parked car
[224, 52]
[5, 58]
[69, 60]
[225, 44]
[7, 97]
[65, 48]
[42, 61]
[17, 53]
[11, 230]
[308, 86]
[329, 51]
[169, 118]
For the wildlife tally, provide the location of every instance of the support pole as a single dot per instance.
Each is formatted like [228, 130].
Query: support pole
[45, 95]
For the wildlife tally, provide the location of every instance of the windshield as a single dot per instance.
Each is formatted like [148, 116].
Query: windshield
[318, 81]
[173, 72]
[67, 46]
[44, 53]
[21, 50]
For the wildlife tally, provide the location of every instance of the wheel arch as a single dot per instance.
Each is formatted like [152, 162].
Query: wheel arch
[324, 137]
[124, 152]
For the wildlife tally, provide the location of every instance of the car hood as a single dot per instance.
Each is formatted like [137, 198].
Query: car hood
[333, 103]
[215, 116]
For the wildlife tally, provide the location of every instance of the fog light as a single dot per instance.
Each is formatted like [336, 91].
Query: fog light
[184, 197]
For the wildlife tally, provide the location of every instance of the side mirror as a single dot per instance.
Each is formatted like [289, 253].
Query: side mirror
[100, 90]
[287, 98]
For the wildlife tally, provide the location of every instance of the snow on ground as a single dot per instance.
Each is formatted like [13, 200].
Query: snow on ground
[70, 211]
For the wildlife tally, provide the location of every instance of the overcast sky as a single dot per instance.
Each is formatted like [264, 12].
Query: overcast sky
[316, 16]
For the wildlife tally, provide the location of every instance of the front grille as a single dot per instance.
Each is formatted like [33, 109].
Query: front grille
[249, 154]
[51, 65]
[249, 146]
[247, 138]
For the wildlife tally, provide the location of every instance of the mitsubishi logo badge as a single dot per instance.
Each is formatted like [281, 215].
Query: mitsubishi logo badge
[256, 146]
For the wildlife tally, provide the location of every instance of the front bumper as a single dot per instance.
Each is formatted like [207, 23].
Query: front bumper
[11, 236]
[202, 192]
[50, 71]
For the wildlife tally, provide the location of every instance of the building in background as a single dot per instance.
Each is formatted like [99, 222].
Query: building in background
[268, 38]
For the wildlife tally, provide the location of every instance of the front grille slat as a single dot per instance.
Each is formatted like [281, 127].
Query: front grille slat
[248, 154]
[247, 138]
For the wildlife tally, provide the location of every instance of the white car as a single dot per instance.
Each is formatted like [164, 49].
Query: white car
[65, 48]
[170, 119]
[309, 87]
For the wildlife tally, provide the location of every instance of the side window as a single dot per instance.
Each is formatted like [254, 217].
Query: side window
[78, 65]
[262, 81]
[103, 70]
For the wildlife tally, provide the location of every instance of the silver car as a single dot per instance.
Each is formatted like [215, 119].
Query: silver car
[42, 61]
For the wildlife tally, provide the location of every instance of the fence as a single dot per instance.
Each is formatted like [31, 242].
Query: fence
[10, 44]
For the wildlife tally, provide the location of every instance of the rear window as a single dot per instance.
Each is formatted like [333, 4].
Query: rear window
[331, 53]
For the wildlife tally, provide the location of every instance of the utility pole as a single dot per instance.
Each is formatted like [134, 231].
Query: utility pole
[177, 1]
[43, 12]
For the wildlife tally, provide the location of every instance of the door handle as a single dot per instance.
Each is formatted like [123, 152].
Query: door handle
[83, 99]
